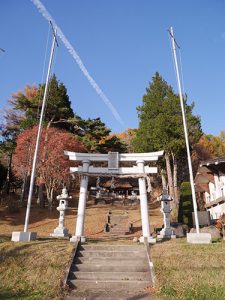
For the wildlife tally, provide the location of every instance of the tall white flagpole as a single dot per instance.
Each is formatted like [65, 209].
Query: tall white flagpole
[185, 131]
[32, 178]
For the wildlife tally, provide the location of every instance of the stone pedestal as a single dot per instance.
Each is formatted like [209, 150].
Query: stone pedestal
[61, 230]
[20, 236]
[75, 238]
[199, 238]
[151, 240]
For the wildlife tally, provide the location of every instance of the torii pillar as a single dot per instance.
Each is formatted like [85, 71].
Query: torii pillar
[82, 205]
[144, 206]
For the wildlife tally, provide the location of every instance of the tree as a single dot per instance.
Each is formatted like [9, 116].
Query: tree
[6, 150]
[24, 113]
[52, 167]
[96, 136]
[112, 143]
[161, 128]
[208, 147]
[3, 168]
[127, 137]
[28, 103]
[214, 145]
[9, 129]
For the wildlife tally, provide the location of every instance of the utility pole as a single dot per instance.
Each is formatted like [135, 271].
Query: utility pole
[25, 236]
[173, 42]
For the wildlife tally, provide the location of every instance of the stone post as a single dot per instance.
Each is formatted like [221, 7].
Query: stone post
[144, 205]
[82, 205]
[61, 230]
[166, 232]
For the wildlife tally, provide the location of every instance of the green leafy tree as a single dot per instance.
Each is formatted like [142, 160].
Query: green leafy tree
[94, 131]
[96, 136]
[28, 102]
[113, 143]
[161, 128]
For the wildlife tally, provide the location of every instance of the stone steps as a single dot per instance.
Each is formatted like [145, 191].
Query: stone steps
[109, 285]
[107, 253]
[110, 260]
[110, 247]
[141, 276]
[92, 267]
[95, 295]
[109, 268]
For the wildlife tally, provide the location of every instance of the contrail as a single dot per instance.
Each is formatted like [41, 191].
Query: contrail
[78, 60]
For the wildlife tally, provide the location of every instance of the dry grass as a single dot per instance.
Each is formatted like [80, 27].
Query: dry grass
[32, 270]
[185, 271]
[43, 222]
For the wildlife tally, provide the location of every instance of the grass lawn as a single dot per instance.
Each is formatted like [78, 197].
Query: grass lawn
[185, 271]
[32, 270]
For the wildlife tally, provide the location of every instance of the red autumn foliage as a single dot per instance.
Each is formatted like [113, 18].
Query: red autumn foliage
[52, 167]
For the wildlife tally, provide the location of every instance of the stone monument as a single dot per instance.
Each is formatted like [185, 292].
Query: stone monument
[61, 230]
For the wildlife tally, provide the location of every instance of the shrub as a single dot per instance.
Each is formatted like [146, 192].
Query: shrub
[185, 205]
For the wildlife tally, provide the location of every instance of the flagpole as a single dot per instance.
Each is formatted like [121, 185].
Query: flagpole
[185, 131]
[32, 178]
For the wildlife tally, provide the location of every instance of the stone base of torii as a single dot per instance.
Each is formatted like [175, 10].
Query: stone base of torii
[114, 159]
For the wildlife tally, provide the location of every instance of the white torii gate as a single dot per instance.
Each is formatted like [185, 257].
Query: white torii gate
[113, 159]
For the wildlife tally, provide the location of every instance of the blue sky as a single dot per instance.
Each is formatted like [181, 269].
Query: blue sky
[122, 44]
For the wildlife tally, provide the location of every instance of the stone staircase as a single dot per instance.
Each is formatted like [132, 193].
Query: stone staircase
[118, 224]
[103, 271]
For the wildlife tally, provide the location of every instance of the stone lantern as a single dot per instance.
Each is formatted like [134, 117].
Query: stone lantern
[165, 199]
[60, 230]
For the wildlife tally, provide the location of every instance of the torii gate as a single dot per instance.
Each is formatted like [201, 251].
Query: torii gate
[113, 158]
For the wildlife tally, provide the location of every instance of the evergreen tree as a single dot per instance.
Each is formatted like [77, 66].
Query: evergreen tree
[58, 107]
[96, 137]
[161, 128]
